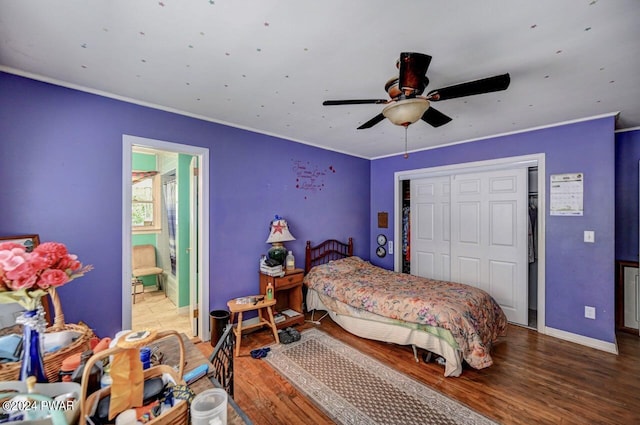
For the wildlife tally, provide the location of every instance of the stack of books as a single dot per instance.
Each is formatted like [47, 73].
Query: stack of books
[279, 317]
[290, 313]
[276, 271]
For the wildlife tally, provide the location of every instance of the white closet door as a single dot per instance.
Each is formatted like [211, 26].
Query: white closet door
[631, 298]
[489, 236]
[430, 228]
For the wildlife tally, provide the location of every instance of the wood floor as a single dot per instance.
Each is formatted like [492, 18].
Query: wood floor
[535, 379]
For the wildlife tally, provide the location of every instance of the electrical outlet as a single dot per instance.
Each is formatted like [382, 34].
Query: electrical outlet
[589, 312]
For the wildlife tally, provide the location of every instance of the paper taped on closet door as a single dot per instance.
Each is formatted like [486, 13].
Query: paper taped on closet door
[566, 194]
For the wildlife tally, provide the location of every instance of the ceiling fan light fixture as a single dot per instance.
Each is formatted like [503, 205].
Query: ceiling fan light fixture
[405, 112]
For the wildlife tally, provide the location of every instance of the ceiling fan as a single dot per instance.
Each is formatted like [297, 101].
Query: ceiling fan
[406, 104]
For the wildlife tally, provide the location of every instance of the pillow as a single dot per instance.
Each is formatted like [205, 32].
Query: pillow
[346, 265]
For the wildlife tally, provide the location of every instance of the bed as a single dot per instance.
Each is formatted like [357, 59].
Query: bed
[455, 321]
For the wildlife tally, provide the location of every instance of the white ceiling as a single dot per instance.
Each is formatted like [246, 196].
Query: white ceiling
[267, 65]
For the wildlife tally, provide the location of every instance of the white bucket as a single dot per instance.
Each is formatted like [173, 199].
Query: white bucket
[209, 408]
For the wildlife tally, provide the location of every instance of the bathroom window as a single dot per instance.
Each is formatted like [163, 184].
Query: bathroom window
[145, 203]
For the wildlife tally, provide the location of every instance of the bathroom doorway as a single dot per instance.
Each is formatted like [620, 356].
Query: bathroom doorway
[179, 299]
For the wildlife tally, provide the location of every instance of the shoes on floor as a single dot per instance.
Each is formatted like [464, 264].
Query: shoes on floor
[260, 352]
[289, 335]
[285, 337]
[294, 334]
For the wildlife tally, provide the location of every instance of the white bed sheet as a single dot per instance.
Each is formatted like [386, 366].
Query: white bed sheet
[379, 328]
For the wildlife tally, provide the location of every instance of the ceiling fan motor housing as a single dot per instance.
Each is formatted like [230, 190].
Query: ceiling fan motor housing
[413, 72]
[392, 88]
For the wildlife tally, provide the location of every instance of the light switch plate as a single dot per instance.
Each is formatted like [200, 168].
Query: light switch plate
[390, 247]
[589, 236]
[589, 312]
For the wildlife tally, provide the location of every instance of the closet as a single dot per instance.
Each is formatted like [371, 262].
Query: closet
[478, 228]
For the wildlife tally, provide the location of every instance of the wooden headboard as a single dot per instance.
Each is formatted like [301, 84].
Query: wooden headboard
[326, 251]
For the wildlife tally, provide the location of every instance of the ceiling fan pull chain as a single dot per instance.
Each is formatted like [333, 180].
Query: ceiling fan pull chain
[406, 128]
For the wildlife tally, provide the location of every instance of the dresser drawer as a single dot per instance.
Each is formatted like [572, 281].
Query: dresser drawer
[287, 281]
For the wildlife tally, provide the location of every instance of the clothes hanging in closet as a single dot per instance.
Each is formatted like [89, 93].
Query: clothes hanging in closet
[533, 218]
[406, 232]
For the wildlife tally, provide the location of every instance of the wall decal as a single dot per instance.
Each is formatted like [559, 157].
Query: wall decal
[310, 177]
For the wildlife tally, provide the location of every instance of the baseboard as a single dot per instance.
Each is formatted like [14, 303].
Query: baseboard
[609, 347]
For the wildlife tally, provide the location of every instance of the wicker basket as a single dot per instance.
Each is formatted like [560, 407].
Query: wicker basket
[178, 415]
[53, 361]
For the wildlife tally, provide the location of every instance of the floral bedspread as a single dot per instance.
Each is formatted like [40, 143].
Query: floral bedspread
[471, 315]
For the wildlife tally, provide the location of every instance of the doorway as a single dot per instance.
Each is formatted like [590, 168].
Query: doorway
[431, 202]
[184, 284]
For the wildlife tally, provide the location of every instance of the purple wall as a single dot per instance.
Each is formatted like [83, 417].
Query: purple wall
[61, 166]
[627, 157]
[61, 169]
[577, 273]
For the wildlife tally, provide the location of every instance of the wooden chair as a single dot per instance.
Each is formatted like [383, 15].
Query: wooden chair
[143, 263]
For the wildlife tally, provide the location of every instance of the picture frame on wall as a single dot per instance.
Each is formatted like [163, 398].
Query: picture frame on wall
[9, 311]
[28, 241]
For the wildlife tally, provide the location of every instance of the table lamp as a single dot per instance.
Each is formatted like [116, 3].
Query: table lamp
[279, 233]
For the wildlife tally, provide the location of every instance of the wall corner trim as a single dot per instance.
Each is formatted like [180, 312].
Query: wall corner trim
[609, 347]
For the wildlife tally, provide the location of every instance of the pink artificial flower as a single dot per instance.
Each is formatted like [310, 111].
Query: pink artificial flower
[21, 277]
[52, 277]
[69, 262]
[52, 252]
[22, 270]
[8, 246]
[12, 258]
[38, 261]
[49, 265]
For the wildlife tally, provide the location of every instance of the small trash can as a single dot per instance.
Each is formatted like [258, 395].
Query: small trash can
[218, 320]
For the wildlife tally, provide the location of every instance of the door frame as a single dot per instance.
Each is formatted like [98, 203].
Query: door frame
[128, 142]
[194, 190]
[531, 160]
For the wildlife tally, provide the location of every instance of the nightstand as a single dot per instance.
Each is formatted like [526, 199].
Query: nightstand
[287, 291]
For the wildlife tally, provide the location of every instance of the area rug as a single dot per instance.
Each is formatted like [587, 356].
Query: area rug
[353, 388]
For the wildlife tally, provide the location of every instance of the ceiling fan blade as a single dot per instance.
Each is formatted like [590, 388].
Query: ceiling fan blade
[435, 118]
[353, 102]
[373, 121]
[413, 70]
[484, 85]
